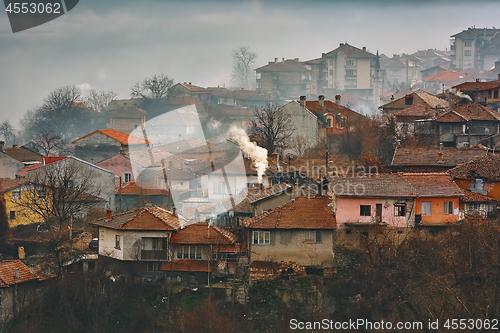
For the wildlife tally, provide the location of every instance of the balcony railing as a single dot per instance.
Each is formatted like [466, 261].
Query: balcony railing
[154, 255]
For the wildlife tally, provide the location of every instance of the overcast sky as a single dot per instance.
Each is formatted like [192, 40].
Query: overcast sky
[110, 45]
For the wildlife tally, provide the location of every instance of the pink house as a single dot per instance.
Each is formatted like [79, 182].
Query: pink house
[122, 167]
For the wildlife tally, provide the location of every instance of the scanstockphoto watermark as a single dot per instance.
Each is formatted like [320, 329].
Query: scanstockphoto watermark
[355, 325]
[27, 14]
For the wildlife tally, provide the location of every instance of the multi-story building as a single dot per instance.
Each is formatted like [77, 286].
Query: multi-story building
[286, 79]
[475, 48]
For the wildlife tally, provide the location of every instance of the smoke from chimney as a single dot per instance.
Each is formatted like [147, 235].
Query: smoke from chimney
[459, 94]
[256, 153]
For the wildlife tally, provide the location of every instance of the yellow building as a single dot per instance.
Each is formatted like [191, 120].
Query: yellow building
[15, 192]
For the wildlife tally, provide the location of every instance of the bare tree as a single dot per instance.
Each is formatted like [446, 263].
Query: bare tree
[301, 144]
[50, 143]
[243, 62]
[99, 100]
[7, 131]
[155, 87]
[56, 194]
[274, 126]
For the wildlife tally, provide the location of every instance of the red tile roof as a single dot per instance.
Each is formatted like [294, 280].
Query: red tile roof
[448, 75]
[419, 97]
[23, 171]
[300, 213]
[467, 112]
[203, 233]
[419, 110]
[477, 86]
[432, 184]
[123, 138]
[145, 218]
[350, 51]
[8, 273]
[486, 167]
[428, 156]
[258, 195]
[52, 159]
[7, 184]
[143, 188]
[189, 265]
[196, 89]
[475, 197]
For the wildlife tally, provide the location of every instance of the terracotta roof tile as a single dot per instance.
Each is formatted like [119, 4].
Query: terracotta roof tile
[486, 167]
[8, 272]
[377, 185]
[144, 188]
[259, 195]
[448, 75]
[419, 110]
[350, 51]
[289, 65]
[300, 213]
[475, 197]
[144, 218]
[429, 99]
[432, 184]
[477, 86]
[467, 112]
[428, 156]
[123, 138]
[7, 184]
[203, 233]
[189, 265]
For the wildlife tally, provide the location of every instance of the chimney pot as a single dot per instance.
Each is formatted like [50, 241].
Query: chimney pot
[341, 44]
[283, 59]
[17, 274]
[14, 146]
[2, 143]
[477, 80]
[498, 76]
[440, 156]
[174, 211]
[109, 214]
[275, 60]
[392, 97]
[364, 48]
[321, 99]
[337, 99]
[303, 101]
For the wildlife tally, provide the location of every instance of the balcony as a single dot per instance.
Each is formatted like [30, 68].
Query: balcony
[154, 255]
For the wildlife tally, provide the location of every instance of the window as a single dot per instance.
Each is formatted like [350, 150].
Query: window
[467, 43]
[159, 243]
[16, 195]
[117, 242]
[314, 77]
[479, 184]
[399, 209]
[349, 62]
[312, 237]
[489, 94]
[262, 237]
[467, 53]
[189, 252]
[495, 94]
[219, 187]
[365, 210]
[350, 73]
[473, 206]
[329, 122]
[448, 207]
[12, 215]
[331, 72]
[426, 208]
[252, 185]
[127, 177]
[154, 266]
[348, 232]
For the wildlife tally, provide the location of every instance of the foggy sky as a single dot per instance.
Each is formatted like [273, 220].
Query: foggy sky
[111, 45]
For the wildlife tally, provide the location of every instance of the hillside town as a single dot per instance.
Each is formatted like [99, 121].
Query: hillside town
[314, 188]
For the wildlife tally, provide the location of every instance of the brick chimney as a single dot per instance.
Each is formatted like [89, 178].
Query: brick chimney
[364, 48]
[303, 101]
[2, 144]
[321, 99]
[109, 214]
[440, 154]
[498, 76]
[275, 60]
[337, 99]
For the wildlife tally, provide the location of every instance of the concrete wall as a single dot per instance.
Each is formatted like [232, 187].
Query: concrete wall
[348, 211]
[290, 245]
[305, 123]
[9, 166]
[363, 74]
[96, 148]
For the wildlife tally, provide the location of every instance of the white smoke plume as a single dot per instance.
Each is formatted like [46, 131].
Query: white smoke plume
[459, 94]
[256, 153]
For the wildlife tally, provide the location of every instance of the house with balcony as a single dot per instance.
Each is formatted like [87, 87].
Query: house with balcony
[201, 252]
[286, 79]
[485, 93]
[138, 240]
[467, 125]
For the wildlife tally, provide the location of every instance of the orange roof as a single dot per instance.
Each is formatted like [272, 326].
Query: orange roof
[477, 86]
[189, 265]
[203, 233]
[467, 112]
[144, 188]
[8, 270]
[475, 197]
[22, 173]
[52, 159]
[300, 213]
[122, 138]
[448, 75]
[145, 218]
[418, 110]
[432, 184]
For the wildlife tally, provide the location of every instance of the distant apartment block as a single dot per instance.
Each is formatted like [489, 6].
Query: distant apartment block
[475, 48]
